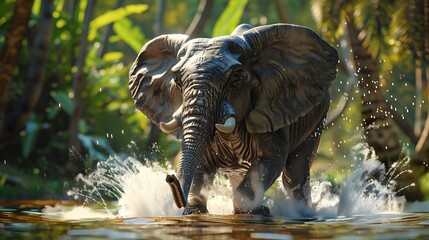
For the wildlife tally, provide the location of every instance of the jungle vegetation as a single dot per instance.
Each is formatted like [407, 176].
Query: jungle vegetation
[65, 104]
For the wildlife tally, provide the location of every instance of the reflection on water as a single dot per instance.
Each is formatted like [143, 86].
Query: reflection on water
[25, 220]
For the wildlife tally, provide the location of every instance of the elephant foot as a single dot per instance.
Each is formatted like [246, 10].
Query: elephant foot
[197, 204]
[262, 210]
[195, 209]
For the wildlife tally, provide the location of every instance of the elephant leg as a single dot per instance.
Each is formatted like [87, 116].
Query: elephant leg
[197, 202]
[262, 173]
[296, 171]
[202, 180]
[235, 178]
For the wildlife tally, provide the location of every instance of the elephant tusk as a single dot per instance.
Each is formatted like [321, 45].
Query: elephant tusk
[174, 124]
[228, 126]
[169, 127]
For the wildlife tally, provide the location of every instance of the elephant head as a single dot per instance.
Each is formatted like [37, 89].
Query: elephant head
[261, 78]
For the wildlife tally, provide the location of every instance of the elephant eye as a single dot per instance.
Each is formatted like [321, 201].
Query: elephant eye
[177, 81]
[239, 78]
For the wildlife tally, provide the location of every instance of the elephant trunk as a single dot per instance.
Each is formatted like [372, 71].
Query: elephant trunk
[198, 128]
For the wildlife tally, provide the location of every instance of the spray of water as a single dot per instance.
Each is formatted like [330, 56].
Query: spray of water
[364, 191]
[140, 190]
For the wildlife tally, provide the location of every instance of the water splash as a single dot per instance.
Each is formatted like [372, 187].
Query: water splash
[363, 192]
[140, 190]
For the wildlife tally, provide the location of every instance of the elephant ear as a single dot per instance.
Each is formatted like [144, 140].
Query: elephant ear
[238, 31]
[295, 68]
[151, 80]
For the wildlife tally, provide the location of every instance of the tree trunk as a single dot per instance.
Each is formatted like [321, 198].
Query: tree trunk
[108, 32]
[12, 48]
[422, 147]
[419, 98]
[416, 20]
[78, 85]
[73, 10]
[280, 10]
[200, 19]
[35, 75]
[344, 101]
[405, 127]
[159, 22]
[418, 17]
[377, 128]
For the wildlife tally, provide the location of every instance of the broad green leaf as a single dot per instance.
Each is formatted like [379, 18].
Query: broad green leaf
[6, 12]
[230, 18]
[52, 113]
[32, 129]
[58, 5]
[113, 16]
[63, 101]
[129, 34]
[83, 126]
[81, 13]
[3, 178]
[36, 7]
[424, 184]
[112, 56]
[98, 147]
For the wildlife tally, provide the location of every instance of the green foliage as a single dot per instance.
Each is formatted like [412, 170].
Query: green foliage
[98, 147]
[32, 129]
[6, 12]
[375, 18]
[424, 185]
[129, 34]
[64, 102]
[107, 107]
[230, 18]
[114, 16]
[109, 120]
[328, 15]
[31, 184]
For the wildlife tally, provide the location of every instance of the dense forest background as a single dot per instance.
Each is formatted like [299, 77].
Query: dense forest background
[65, 104]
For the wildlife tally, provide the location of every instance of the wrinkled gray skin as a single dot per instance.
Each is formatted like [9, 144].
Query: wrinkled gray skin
[273, 80]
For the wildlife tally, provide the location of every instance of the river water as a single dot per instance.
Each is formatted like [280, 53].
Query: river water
[28, 220]
[125, 199]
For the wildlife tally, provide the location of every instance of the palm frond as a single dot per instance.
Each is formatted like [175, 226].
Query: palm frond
[373, 17]
[329, 14]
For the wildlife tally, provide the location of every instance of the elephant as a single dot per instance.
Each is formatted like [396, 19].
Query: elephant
[251, 105]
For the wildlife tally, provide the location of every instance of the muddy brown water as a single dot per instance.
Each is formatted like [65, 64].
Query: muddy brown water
[27, 220]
